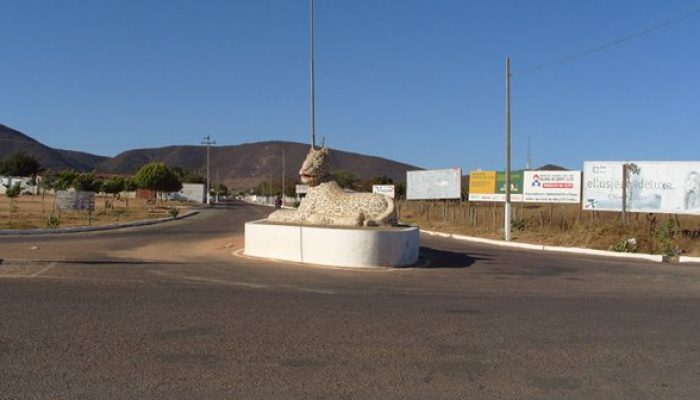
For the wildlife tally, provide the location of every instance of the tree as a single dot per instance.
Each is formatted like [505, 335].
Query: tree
[219, 190]
[20, 164]
[86, 183]
[12, 193]
[65, 179]
[345, 179]
[112, 186]
[381, 180]
[158, 177]
[129, 186]
[186, 176]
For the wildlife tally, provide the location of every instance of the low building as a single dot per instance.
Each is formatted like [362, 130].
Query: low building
[190, 192]
[25, 184]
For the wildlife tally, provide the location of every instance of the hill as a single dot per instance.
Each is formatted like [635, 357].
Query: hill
[12, 141]
[246, 165]
[240, 166]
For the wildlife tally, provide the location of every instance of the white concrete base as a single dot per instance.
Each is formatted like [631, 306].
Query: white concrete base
[339, 246]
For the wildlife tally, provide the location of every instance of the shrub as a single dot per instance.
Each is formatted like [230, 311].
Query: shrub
[173, 212]
[52, 222]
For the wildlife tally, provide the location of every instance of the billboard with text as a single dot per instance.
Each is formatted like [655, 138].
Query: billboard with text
[491, 186]
[552, 187]
[652, 186]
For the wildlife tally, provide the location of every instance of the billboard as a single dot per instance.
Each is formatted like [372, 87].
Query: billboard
[386, 190]
[434, 184]
[653, 186]
[552, 186]
[302, 189]
[491, 186]
[66, 200]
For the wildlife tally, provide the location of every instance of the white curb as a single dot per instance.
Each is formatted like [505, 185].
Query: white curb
[689, 259]
[560, 249]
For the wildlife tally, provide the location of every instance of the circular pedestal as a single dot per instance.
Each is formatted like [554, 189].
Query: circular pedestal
[340, 246]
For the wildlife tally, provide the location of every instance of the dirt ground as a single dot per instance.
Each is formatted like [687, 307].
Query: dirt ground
[561, 225]
[33, 211]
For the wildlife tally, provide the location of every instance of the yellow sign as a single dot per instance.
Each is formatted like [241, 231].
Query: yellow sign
[482, 182]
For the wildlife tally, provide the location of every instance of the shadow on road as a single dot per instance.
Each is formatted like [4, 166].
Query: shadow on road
[433, 258]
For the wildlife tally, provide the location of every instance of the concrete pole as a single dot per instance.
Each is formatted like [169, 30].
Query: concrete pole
[313, 88]
[507, 203]
[208, 142]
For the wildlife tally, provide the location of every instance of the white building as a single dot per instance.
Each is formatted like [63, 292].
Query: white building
[24, 184]
[190, 192]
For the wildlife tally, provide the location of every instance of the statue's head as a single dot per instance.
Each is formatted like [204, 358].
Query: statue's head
[315, 167]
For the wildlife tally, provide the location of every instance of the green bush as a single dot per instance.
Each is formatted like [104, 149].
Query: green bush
[173, 212]
[52, 222]
[666, 237]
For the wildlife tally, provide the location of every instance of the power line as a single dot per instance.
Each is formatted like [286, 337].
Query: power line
[607, 45]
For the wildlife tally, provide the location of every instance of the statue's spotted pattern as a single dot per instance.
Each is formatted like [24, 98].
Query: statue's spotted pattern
[327, 204]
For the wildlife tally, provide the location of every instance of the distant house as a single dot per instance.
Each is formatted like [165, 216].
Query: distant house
[190, 192]
[24, 184]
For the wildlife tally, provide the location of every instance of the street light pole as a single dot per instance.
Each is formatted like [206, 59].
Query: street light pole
[208, 141]
[313, 88]
[507, 210]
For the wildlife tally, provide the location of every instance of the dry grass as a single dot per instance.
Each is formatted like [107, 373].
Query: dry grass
[561, 225]
[31, 212]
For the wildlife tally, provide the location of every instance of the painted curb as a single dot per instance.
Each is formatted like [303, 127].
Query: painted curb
[559, 249]
[44, 231]
[689, 259]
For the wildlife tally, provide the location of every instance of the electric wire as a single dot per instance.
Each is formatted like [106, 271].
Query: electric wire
[609, 44]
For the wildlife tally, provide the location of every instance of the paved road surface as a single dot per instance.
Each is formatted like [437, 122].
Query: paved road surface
[169, 312]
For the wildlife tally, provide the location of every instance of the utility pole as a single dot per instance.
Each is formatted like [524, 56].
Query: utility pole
[284, 170]
[528, 161]
[216, 185]
[507, 210]
[208, 141]
[313, 89]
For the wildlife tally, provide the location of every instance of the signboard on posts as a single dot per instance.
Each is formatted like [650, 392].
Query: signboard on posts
[386, 190]
[671, 187]
[302, 189]
[491, 186]
[434, 184]
[552, 186]
[66, 200]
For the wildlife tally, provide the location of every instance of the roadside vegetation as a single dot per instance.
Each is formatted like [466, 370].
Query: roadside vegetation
[561, 225]
[34, 206]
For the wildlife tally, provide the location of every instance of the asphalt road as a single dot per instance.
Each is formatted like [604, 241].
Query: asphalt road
[174, 311]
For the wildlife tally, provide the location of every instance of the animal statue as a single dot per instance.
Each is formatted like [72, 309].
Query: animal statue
[326, 203]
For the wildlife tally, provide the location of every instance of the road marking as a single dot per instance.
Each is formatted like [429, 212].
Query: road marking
[41, 271]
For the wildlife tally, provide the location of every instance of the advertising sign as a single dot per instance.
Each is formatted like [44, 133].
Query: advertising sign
[482, 182]
[434, 184]
[302, 189]
[552, 186]
[66, 200]
[491, 186]
[652, 186]
[386, 190]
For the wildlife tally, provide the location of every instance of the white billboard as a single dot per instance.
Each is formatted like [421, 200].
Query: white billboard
[386, 190]
[653, 186]
[66, 200]
[302, 189]
[434, 184]
[552, 186]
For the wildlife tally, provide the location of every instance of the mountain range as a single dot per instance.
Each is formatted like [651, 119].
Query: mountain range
[238, 166]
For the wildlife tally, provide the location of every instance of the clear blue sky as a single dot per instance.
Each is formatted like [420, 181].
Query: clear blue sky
[417, 81]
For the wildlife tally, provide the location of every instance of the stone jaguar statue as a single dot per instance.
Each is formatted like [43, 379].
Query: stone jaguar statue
[327, 204]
